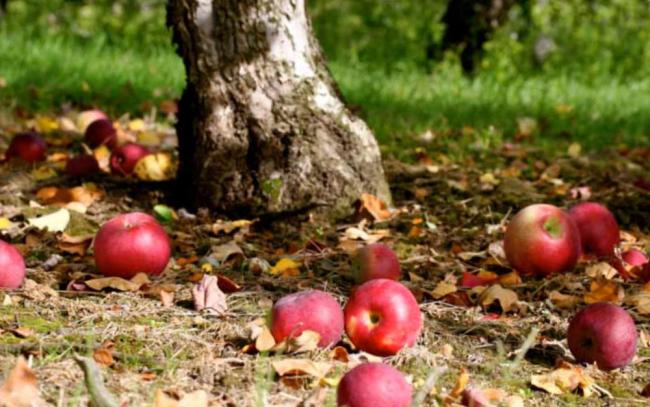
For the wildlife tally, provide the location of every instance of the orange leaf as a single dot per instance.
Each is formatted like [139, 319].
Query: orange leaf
[372, 208]
[604, 291]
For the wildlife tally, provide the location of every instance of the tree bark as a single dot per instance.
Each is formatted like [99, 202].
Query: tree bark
[261, 126]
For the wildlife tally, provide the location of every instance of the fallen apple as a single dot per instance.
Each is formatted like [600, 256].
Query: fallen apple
[87, 117]
[603, 333]
[29, 147]
[101, 132]
[82, 165]
[599, 232]
[635, 258]
[374, 385]
[375, 261]
[382, 316]
[312, 310]
[131, 243]
[542, 239]
[124, 158]
[12, 266]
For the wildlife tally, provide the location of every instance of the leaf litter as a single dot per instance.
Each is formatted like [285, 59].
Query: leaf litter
[450, 208]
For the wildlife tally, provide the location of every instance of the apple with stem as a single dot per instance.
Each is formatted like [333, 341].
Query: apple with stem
[542, 239]
[382, 316]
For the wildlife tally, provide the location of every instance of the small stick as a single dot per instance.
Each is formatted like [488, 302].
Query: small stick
[99, 394]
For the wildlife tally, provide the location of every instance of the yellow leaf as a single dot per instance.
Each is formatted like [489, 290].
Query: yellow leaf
[43, 172]
[103, 155]
[372, 208]
[574, 150]
[443, 288]
[285, 267]
[563, 300]
[46, 124]
[461, 383]
[136, 125]
[5, 223]
[641, 302]
[21, 388]
[155, 167]
[292, 367]
[604, 291]
[54, 222]
[565, 379]
[149, 138]
[506, 298]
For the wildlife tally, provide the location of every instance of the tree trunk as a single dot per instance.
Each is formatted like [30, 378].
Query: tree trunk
[261, 127]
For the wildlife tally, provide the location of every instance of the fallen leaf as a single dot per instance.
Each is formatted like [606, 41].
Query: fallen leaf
[20, 389]
[164, 213]
[198, 398]
[85, 195]
[285, 267]
[54, 222]
[227, 285]
[21, 332]
[640, 301]
[564, 301]
[604, 291]
[511, 279]
[225, 251]
[74, 244]
[474, 396]
[104, 355]
[442, 289]
[506, 298]
[340, 354]
[601, 270]
[293, 367]
[43, 172]
[5, 224]
[118, 283]
[229, 227]
[461, 383]
[103, 156]
[307, 341]
[155, 167]
[372, 208]
[207, 296]
[574, 150]
[565, 379]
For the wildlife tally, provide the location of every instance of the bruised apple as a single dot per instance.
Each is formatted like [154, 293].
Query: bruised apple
[599, 232]
[82, 165]
[12, 266]
[382, 316]
[373, 385]
[542, 239]
[29, 147]
[101, 132]
[124, 158]
[311, 310]
[375, 261]
[603, 333]
[131, 243]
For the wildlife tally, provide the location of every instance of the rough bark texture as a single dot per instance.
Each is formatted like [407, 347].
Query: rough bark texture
[261, 127]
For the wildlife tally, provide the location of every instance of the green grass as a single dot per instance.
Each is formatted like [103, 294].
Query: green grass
[44, 73]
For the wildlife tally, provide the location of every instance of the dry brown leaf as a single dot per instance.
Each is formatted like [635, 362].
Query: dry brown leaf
[198, 398]
[443, 288]
[75, 244]
[340, 354]
[305, 342]
[225, 251]
[640, 301]
[565, 379]
[207, 296]
[20, 389]
[563, 301]
[604, 291]
[511, 279]
[602, 270]
[507, 298]
[372, 208]
[118, 283]
[85, 194]
[155, 167]
[104, 356]
[294, 367]
[228, 227]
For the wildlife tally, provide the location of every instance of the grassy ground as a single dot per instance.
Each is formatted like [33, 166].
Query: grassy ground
[42, 75]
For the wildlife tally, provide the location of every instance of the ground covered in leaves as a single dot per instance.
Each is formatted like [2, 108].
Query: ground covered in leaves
[486, 327]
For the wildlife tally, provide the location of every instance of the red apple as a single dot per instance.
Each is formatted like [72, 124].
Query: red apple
[599, 231]
[373, 385]
[382, 316]
[101, 132]
[542, 239]
[131, 243]
[635, 258]
[603, 333]
[375, 261]
[12, 266]
[28, 147]
[312, 310]
[124, 158]
[87, 117]
[81, 165]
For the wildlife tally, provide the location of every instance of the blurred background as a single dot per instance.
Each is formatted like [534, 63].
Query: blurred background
[546, 71]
